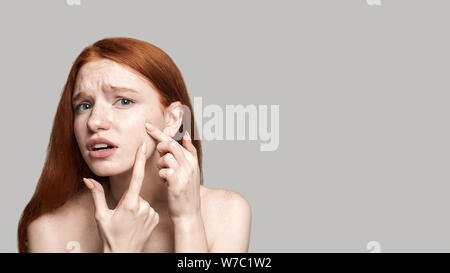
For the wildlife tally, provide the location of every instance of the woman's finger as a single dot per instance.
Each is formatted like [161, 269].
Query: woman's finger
[144, 207]
[167, 161]
[157, 134]
[98, 194]
[134, 189]
[174, 148]
[152, 219]
[166, 173]
[166, 142]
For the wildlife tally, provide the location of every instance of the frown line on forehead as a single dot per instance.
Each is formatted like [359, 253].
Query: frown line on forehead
[114, 89]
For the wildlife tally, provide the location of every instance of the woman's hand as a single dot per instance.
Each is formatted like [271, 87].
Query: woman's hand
[180, 170]
[127, 227]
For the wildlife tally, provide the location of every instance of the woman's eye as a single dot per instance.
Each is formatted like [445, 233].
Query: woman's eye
[80, 106]
[85, 106]
[126, 101]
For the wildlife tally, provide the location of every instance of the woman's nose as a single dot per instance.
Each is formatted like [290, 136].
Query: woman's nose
[100, 119]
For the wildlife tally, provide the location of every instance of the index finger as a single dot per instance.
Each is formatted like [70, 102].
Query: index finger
[156, 133]
[98, 194]
[138, 175]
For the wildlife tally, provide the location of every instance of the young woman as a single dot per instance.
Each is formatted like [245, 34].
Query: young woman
[115, 179]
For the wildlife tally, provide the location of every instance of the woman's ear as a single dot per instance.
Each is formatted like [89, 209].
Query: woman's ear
[173, 118]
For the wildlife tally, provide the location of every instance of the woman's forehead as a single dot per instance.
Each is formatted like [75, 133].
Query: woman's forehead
[104, 74]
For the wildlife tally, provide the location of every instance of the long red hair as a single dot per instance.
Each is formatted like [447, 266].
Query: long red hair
[64, 167]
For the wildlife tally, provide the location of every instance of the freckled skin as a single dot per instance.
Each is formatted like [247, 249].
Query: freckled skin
[107, 117]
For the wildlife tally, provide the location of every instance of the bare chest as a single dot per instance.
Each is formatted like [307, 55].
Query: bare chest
[162, 239]
[84, 230]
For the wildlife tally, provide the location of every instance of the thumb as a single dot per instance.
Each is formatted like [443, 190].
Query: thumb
[98, 194]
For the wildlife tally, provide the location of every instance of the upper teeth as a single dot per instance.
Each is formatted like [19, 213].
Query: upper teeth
[100, 145]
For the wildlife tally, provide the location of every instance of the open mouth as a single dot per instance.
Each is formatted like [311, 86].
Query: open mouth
[102, 147]
[102, 150]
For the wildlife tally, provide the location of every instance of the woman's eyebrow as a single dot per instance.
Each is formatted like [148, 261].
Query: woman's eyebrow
[120, 88]
[115, 89]
[79, 96]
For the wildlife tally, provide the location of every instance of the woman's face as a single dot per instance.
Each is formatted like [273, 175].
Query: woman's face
[105, 106]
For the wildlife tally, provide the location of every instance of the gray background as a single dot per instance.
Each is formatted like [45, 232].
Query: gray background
[363, 94]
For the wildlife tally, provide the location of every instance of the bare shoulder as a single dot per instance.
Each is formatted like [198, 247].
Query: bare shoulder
[229, 218]
[223, 199]
[59, 230]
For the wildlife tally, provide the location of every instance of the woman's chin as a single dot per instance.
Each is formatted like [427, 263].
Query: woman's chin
[106, 171]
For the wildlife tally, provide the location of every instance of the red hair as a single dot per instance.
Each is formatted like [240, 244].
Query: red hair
[64, 167]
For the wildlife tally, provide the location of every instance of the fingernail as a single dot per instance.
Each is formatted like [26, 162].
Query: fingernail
[149, 126]
[143, 148]
[88, 183]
